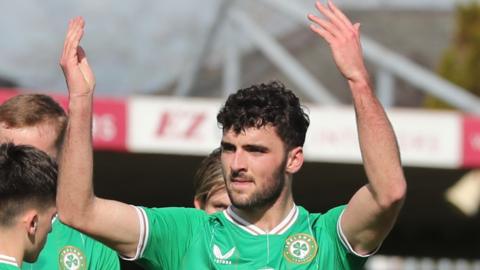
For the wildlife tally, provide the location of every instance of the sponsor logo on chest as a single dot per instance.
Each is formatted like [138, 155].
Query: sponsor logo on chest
[71, 258]
[221, 258]
[300, 248]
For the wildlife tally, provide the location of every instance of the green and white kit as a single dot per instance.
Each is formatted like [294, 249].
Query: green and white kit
[184, 238]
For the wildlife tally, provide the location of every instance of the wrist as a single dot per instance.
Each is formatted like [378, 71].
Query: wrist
[362, 82]
[80, 101]
[81, 95]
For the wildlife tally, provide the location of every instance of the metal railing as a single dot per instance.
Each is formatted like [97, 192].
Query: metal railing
[389, 65]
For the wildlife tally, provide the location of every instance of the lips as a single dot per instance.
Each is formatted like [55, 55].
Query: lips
[240, 182]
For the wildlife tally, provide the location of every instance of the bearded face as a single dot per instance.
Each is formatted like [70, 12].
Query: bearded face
[254, 167]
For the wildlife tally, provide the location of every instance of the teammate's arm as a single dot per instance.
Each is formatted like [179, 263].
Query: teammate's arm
[372, 211]
[114, 223]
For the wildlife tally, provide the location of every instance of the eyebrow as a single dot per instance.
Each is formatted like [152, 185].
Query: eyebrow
[248, 147]
[226, 144]
[255, 147]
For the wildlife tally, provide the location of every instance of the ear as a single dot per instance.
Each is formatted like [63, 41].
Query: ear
[197, 203]
[294, 160]
[30, 221]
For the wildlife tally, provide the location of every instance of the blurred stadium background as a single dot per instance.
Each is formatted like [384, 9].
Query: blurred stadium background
[164, 67]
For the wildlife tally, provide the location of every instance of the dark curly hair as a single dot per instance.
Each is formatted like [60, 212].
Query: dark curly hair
[266, 104]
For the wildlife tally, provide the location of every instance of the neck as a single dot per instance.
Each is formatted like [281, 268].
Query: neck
[10, 246]
[268, 217]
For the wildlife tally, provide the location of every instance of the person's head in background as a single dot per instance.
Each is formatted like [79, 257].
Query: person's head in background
[33, 119]
[209, 186]
[28, 184]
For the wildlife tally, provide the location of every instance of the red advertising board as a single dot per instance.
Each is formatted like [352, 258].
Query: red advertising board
[109, 120]
[471, 141]
[109, 124]
[6, 94]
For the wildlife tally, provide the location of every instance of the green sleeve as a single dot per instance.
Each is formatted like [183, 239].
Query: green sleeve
[332, 225]
[168, 234]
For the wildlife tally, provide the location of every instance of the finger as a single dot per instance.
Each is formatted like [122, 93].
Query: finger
[69, 29]
[72, 30]
[339, 14]
[323, 33]
[72, 41]
[330, 16]
[325, 25]
[77, 34]
[356, 26]
[72, 45]
[67, 37]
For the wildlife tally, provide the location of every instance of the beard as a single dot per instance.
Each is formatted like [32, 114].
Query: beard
[260, 197]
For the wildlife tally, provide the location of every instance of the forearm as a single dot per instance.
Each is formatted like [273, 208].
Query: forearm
[378, 146]
[111, 222]
[75, 188]
[373, 209]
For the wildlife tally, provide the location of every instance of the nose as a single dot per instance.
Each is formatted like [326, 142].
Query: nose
[239, 162]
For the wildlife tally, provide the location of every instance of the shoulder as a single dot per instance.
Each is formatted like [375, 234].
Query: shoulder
[172, 217]
[334, 213]
[329, 218]
[173, 212]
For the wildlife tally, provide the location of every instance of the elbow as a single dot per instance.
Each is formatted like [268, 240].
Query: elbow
[394, 196]
[64, 217]
[71, 216]
[77, 222]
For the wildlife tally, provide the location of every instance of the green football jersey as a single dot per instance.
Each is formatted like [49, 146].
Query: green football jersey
[67, 249]
[8, 263]
[183, 238]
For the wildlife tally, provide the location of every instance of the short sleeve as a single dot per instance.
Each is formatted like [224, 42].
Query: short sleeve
[167, 235]
[343, 251]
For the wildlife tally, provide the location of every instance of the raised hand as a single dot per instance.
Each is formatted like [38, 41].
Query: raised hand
[78, 74]
[343, 38]
[372, 211]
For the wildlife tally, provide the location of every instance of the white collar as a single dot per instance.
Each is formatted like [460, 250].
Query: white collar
[8, 260]
[252, 229]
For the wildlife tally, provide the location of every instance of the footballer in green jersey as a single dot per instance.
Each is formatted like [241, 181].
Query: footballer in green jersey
[38, 120]
[28, 184]
[67, 248]
[182, 238]
[264, 127]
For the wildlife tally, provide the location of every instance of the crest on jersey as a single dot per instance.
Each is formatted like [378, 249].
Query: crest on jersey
[300, 248]
[71, 258]
[222, 258]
